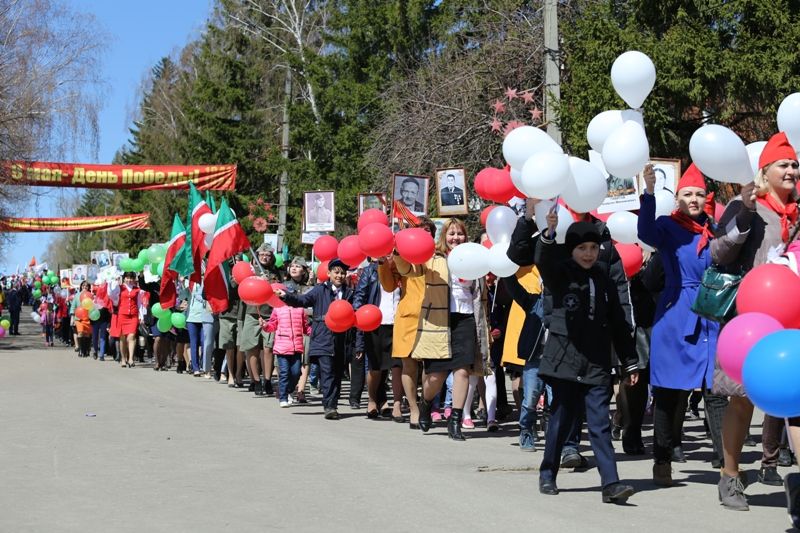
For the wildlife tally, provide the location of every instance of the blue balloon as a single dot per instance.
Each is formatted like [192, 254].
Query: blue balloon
[771, 374]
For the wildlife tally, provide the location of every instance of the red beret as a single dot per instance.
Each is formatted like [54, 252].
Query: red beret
[692, 178]
[778, 147]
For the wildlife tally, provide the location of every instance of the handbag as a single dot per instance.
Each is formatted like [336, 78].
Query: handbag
[716, 298]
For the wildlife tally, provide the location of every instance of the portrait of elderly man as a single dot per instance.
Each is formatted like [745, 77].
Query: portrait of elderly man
[409, 190]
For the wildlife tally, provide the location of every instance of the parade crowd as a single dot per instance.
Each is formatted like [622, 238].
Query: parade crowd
[568, 331]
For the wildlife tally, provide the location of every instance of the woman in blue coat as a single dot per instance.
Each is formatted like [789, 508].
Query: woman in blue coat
[683, 345]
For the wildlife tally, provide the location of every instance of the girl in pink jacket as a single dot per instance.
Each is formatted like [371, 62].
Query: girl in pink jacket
[289, 325]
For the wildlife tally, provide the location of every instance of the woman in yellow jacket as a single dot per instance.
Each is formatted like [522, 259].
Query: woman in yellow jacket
[406, 320]
[452, 333]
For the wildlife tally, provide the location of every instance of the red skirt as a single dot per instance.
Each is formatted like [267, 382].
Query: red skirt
[128, 324]
[113, 329]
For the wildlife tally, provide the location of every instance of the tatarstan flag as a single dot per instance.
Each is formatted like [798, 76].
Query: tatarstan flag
[229, 240]
[197, 208]
[175, 262]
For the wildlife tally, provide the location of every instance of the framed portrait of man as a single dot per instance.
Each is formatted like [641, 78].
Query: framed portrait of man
[318, 211]
[668, 172]
[411, 192]
[451, 191]
[623, 192]
[371, 200]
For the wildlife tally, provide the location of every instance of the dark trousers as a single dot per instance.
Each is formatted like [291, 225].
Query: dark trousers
[632, 406]
[496, 354]
[669, 410]
[358, 369]
[331, 370]
[14, 329]
[569, 400]
[715, 406]
[771, 430]
[573, 439]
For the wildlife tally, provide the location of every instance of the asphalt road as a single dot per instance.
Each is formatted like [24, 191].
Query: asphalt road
[89, 446]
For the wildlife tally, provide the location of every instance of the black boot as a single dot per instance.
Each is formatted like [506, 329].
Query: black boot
[425, 420]
[261, 387]
[454, 425]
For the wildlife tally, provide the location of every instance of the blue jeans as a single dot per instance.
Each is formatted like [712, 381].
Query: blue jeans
[209, 337]
[532, 389]
[313, 373]
[195, 330]
[99, 332]
[289, 367]
[448, 396]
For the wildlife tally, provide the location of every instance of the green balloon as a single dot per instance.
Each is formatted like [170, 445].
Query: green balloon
[143, 254]
[94, 314]
[154, 269]
[158, 311]
[164, 323]
[5, 323]
[156, 253]
[37, 284]
[52, 280]
[178, 320]
[279, 260]
[126, 265]
[137, 265]
[37, 293]
[160, 268]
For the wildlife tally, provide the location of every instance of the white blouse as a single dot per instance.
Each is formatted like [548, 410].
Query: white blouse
[461, 297]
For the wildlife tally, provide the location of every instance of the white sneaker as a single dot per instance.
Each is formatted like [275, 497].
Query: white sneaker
[290, 399]
[284, 404]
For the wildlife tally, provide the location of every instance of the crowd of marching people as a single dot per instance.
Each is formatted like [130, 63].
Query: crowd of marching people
[568, 331]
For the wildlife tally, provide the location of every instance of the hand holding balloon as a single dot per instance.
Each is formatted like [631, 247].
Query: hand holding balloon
[649, 176]
[748, 193]
[280, 293]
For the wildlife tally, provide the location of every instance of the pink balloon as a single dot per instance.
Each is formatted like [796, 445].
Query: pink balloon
[2, 332]
[738, 337]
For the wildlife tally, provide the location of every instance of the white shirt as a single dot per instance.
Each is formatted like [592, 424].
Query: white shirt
[461, 299]
[388, 306]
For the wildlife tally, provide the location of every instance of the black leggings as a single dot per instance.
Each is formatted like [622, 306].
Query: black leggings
[668, 413]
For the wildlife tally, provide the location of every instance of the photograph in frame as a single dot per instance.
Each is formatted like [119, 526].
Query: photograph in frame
[451, 191]
[117, 257]
[318, 211]
[668, 173]
[623, 192]
[79, 274]
[101, 258]
[412, 192]
[371, 200]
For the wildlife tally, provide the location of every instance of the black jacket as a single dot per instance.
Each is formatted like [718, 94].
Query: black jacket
[581, 328]
[324, 342]
[367, 291]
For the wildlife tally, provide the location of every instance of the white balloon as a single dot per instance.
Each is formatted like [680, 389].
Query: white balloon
[523, 142]
[754, 153]
[516, 178]
[622, 226]
[789, 118]
[665, 203]
[207, 223]
[626, 151]
[565, 219]
[469, 261]
[633, 76]
[545, 175]
[499, 263]
[604, 124]
[500, 224]
[37, 318]
[586, 188]
[720, 154]
[208, 239]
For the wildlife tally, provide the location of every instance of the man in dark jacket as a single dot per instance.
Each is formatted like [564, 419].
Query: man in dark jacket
[327, 348]
[522, 250]
[14, 303]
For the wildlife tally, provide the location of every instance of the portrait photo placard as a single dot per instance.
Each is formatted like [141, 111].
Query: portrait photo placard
[318, 211]
[451, 191]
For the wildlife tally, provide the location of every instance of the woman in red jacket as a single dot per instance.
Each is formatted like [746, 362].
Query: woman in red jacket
[128, 300]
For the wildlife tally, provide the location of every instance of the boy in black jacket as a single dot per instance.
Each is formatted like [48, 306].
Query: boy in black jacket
[584, 316]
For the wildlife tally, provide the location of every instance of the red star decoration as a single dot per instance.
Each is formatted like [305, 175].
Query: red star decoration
[536, 114]
[497, 125]
[511, 93]
[498, 106]
[511, 126]
[527, 97]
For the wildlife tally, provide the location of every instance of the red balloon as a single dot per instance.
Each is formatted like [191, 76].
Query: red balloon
[632, 258]
[325, 248]
[85, 295]
[350, 251]
[485, 214]
[340, 316]
[81, 313]
[255, 291]
[500, 188]
[376, 240]
[322, 272]
[487, 243]
[773, 290]
[241, 271]
[274, 301]
[372, 216]
[415, 245]
[368, 317]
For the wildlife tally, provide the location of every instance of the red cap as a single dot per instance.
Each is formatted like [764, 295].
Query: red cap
[692, 178]
[778, 147]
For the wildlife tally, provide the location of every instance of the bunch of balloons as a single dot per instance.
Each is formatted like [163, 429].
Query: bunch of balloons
[167, 319]
[153, 256]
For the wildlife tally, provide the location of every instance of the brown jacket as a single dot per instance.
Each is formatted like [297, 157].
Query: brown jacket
[406, 318]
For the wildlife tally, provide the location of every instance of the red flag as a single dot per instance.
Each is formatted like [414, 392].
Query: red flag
[169, 293]
[197, 208]
[229, 240]
[33, 261]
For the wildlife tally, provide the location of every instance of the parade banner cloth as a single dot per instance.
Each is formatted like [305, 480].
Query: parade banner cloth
[130, 177]
[101, 223]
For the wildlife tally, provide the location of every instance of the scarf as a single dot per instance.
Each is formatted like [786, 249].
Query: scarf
[693, 226]
[788, 213]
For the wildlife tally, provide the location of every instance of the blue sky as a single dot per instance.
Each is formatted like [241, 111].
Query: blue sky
[142, 32]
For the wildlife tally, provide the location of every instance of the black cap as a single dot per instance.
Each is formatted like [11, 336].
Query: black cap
[580, 232]
[336, 262]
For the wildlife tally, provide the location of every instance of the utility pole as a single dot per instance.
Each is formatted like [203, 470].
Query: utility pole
[283, 192]
[552, 74]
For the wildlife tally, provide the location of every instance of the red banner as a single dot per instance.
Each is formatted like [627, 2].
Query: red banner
[102, 223]
[132, 177]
